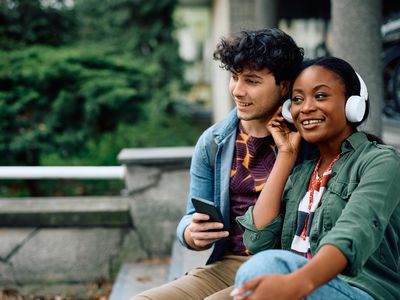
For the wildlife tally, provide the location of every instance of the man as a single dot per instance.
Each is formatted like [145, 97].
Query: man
[232, 160]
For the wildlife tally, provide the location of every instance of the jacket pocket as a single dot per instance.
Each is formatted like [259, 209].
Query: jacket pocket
[343, 189]
[334, 201]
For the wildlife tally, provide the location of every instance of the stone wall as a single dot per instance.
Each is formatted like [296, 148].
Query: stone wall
[56, 246]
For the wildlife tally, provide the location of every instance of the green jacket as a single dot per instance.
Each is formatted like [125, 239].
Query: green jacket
[359, 213]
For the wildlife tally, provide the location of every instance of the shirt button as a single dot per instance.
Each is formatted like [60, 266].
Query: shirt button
[314, 239]
[254, 237]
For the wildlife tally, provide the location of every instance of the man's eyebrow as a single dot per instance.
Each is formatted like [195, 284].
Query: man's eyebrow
[251, 74]
[248, 74]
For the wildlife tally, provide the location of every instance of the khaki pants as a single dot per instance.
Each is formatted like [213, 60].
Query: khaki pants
[211, 282]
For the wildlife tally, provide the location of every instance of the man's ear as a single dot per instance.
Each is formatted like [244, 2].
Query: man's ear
[284, 85]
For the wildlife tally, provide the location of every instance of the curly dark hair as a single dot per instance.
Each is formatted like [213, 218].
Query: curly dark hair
[267, 48]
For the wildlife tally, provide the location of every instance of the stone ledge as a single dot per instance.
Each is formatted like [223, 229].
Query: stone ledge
[156, 156]
[65, 211]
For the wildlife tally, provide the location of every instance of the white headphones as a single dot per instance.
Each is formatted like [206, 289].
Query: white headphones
[356, 106]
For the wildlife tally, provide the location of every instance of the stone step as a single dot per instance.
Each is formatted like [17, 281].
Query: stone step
[65, 211]
[134, 278]
[184, 260]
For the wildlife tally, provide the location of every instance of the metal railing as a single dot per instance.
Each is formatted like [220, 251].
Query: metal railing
[61, 172]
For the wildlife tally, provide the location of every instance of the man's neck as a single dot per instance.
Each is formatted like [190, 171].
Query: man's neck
[255, 128]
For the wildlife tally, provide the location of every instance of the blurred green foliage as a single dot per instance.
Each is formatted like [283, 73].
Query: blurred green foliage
[53, 100]
[28, 22]
[79, 83]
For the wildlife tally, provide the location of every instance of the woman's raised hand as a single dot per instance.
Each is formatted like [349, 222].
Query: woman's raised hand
[285, 139]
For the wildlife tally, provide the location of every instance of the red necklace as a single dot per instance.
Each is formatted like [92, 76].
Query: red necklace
[315, 184]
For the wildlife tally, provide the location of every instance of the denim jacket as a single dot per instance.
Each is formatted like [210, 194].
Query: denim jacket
[359, 214]
[212, 182]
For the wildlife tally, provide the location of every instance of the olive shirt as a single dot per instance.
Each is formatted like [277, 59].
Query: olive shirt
[359, 214]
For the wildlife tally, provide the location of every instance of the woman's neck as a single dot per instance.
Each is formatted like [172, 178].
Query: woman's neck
[330, 150]
[326, 160]
[328, 153]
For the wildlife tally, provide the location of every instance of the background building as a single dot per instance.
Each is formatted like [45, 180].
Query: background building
[366, 33]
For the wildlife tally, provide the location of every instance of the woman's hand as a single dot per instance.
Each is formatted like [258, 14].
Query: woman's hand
[269, 287]
[285, 139]
[322, 268]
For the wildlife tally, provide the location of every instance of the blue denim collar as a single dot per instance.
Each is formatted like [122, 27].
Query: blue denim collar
[225, 128]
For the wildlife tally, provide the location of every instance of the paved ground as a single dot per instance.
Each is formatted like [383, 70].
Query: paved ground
[134, 278]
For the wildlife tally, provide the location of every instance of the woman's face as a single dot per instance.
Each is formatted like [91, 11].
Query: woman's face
[318, 106]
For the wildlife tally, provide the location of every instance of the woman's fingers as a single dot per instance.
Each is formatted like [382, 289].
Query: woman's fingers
[243, 291]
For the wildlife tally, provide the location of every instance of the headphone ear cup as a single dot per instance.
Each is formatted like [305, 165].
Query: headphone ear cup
[355, 109]
[286, 111]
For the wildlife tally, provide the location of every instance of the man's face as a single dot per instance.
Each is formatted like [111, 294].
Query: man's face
[256, 94]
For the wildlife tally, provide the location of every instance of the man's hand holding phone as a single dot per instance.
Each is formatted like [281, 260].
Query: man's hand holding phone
[206, 226]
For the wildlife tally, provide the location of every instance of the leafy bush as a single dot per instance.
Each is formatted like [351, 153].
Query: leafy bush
[79, 83]
[54, 100]
[29, 22]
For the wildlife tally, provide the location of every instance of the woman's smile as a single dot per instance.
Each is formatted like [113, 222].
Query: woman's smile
[311, 123]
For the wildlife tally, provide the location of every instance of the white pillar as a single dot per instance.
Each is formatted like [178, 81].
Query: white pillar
[222, 102]
[356, 37]
[266, 13]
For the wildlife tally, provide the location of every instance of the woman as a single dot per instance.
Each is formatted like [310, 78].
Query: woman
[340, 210]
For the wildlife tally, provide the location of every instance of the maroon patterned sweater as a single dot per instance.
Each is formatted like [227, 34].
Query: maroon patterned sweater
[252, 163]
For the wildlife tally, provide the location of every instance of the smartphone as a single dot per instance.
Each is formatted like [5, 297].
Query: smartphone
[207, 207]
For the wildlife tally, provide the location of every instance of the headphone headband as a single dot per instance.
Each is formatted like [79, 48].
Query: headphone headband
[363, 88]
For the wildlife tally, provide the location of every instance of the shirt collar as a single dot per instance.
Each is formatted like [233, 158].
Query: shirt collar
[354, 141]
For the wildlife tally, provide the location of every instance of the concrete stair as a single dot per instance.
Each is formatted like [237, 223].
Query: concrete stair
[93, 211]
[134, 278]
